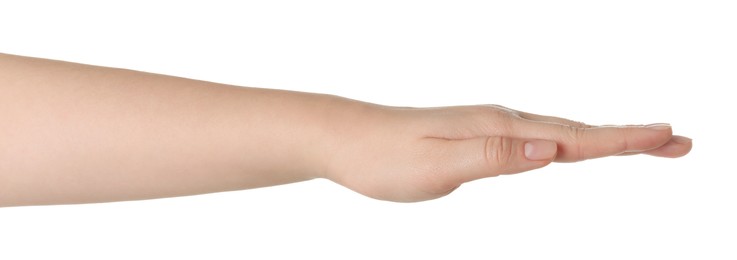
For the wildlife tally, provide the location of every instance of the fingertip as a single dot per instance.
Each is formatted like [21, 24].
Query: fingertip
[682, 140]
[677, 146]
[684, 150]
[686, 144]
[648, 137]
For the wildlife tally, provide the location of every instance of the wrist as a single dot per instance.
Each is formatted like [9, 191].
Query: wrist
[341, 125]
[306, 130]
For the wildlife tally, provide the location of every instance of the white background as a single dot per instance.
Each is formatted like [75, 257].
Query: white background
[602, 62]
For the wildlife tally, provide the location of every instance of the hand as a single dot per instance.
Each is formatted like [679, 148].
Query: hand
[406, 154]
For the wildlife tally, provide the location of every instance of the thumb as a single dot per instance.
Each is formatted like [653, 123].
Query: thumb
[476, 158]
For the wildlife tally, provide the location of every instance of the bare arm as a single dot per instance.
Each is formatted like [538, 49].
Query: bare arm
[73, 133]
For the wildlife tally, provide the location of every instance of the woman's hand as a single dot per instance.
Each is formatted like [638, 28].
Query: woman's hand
[407, 154]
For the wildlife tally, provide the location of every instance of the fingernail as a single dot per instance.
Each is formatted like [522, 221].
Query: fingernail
[659, 126]
[681, 140]
[538, 150]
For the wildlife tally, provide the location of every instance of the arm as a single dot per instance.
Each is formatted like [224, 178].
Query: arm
[73, 133]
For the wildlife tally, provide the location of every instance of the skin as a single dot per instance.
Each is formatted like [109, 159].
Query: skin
[73, 133]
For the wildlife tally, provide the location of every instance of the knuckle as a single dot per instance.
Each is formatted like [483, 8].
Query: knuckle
[502, 112]
[498, 151]
[576, 136]
[496, 122]
[501, 108]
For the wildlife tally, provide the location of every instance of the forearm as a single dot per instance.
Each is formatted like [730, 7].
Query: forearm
[72, 133]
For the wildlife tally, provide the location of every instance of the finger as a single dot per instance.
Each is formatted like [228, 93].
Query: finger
[552, 119]
[541, 118]
[470, 159]
[677, 146]
[577, 144]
